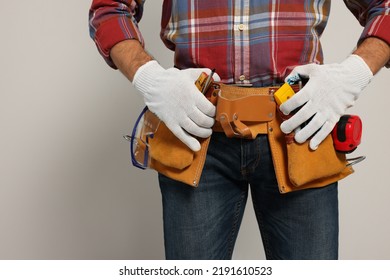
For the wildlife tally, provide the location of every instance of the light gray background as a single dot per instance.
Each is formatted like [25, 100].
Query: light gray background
[67, 188]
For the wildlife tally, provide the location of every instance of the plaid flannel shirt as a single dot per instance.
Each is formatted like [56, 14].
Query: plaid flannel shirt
[248, 41]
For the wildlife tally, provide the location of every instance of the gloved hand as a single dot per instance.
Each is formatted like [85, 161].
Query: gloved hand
[171, 94]
[330, 91]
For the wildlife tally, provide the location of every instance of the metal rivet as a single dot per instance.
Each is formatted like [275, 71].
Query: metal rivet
[270, 115]
[222, 118]
[271, 129]
[194, 183]
[235, 117]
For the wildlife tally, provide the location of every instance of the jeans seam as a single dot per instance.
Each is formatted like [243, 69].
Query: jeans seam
[247, 170]
[264, 235]
[258, 158]
[233, 233]
[243, 160]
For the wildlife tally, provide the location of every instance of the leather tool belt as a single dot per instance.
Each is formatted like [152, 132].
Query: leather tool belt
[246, 112]
[243, 112]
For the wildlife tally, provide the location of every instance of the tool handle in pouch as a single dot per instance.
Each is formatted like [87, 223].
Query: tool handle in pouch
[205, 84]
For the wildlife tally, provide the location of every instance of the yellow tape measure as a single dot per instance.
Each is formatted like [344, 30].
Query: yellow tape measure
[284, 93]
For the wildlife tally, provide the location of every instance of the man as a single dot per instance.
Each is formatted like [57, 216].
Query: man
[254, 43]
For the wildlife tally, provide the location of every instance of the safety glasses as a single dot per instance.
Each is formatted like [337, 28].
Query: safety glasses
[144, 129]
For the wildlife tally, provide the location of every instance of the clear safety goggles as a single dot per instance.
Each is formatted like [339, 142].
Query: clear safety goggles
[144, 130]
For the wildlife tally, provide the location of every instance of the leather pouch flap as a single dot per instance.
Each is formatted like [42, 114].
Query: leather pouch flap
[259, 108]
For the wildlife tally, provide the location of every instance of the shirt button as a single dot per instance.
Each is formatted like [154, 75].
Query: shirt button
[241, 27]
[242, 78]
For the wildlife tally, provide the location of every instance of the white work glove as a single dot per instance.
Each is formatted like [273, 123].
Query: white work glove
[330, 91]
[171, 94]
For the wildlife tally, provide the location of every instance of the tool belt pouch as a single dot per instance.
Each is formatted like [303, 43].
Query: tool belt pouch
[172, 158]
[298, 167]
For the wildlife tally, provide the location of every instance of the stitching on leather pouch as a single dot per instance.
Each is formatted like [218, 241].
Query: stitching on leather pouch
[200, 166]
[275, 157]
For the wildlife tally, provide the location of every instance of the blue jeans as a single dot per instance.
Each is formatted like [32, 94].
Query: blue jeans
[203, 222]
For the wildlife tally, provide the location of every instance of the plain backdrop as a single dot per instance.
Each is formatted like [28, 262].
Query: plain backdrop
[67, 187]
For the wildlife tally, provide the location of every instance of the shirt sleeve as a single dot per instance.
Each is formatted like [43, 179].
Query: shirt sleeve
[112, 21]
[374, 16]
